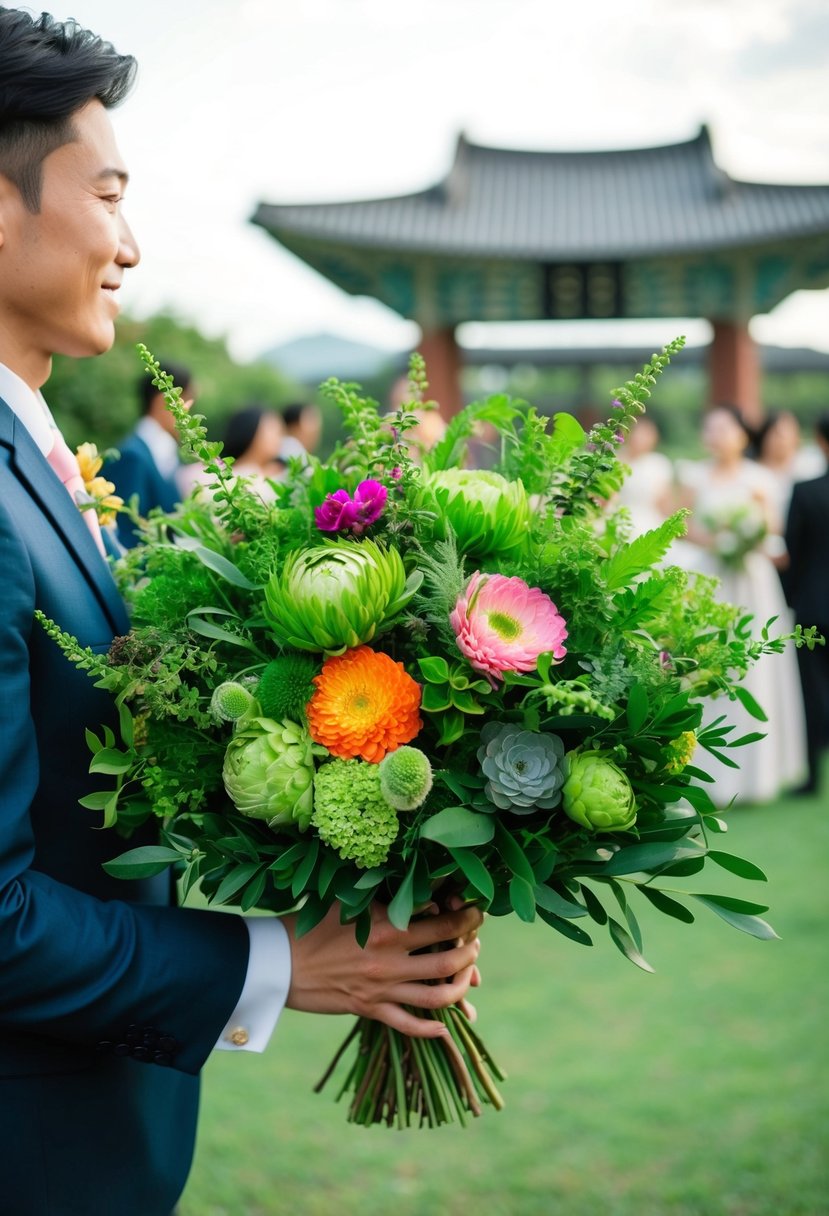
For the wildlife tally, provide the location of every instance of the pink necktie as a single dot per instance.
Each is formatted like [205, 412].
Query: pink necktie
[65, 463]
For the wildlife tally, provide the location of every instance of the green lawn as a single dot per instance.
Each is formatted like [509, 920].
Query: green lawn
[701, 1090]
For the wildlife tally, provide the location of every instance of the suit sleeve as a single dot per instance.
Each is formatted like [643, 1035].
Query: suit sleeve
[74, 968]
[131, 475]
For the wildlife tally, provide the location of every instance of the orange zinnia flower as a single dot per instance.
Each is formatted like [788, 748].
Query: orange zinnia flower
[365, 705]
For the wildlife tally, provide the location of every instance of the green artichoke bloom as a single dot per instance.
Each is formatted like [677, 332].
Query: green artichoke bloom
[597, 794]
[351, 814]
[269, 772]
[405, 778]
[337, 595]
[524, 768]
[487, 513]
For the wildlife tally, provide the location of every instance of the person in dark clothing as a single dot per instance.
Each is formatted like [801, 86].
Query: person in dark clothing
[806, 581]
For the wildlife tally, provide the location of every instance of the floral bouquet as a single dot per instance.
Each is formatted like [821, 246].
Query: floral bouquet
[404, 680]
[735, 531]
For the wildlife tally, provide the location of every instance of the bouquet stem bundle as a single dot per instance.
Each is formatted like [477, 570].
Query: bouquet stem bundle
[404, 1082]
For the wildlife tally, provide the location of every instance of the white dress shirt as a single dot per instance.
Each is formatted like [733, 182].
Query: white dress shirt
[268, 975]
[163, 446]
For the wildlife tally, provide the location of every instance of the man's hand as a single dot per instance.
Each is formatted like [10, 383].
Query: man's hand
[331, 973]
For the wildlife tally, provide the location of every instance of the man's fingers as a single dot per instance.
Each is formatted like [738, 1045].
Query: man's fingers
[442, 964]
[447, 927]
[435, 996]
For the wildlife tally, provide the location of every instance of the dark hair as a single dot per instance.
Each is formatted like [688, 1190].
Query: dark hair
[241, 428]
[292, 413]
[822, 427]
[48, 71]
[736, 413]
[147, 391]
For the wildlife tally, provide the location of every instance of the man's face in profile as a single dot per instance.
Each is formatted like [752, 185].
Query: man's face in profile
[61, 268]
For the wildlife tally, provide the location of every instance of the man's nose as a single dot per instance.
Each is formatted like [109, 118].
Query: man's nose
[128, 252]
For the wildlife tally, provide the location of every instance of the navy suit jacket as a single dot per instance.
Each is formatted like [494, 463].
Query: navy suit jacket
[137, 473]
[110, 998]
[807, 540]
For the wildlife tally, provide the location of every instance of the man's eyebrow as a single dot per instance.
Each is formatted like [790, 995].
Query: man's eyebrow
[121, 174]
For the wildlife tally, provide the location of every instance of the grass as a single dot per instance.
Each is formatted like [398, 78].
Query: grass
[701, 1090]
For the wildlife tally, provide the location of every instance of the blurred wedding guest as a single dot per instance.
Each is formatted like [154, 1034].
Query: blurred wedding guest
[779, 449]
[431, 425]
[255, 437]
[646, 491]
[149, 463]
[807, 588]
[302, 431]
[734, 521]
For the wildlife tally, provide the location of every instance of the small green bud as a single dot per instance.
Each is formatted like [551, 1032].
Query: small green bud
[231, 701]
[405, 778]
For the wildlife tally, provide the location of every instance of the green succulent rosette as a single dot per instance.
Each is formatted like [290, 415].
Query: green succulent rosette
[487, 513]
[337, 595]
[597, 794]
[269, 772]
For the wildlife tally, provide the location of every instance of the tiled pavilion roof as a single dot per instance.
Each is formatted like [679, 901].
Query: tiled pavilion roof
[554, 206]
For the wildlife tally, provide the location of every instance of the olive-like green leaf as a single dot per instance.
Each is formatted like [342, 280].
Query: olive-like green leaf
[746, 922]
[565, 927]
[401, 907]
[551, 901]
[457, 827]
[522, 898]
[235, 880]
[738, 865]
[671, 907]
[475, 872]
[143, 862]
[627, 945]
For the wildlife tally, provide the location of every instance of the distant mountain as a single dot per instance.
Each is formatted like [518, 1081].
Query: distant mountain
[315, 357]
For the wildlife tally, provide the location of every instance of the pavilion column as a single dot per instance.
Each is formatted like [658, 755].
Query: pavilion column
[734, 369]
[443, 367]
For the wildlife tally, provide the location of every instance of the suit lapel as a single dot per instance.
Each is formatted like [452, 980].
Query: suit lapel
[36, 474]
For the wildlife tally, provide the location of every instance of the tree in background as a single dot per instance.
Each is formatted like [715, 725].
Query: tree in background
[96, 400]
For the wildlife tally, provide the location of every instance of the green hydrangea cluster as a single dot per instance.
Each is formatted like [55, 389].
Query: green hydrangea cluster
[350, 813]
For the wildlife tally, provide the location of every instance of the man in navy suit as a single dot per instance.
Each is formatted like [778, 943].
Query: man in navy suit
[148, 457]
[807, 589]
[111, 999]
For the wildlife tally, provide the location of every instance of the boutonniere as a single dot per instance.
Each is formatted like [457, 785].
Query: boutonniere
[104, 501]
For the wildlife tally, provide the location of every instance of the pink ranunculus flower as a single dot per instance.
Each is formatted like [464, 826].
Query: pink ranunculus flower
[501, 624]
[342, 513]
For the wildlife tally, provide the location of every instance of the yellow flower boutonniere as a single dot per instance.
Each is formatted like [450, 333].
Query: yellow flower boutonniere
[106, 502]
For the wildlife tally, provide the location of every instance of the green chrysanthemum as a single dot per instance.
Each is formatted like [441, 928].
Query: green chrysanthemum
[286, 686]
[487, 513]
[351, 814]
[231, 702]
[405, 778]
[337, 595]
[269, 772]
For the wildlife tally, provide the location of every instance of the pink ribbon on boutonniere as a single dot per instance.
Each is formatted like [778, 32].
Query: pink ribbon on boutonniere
[65, 464]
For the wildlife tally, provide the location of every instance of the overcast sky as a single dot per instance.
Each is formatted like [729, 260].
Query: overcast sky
[241, 101]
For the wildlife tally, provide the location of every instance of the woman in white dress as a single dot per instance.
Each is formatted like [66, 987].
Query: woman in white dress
[734, 527]
[646, 491]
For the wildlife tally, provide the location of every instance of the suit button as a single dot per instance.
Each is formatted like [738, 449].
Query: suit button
[133, 1035]
[162, 1057]
[140, 1053]
[168, 1043]
[104, 1046]
[122, 1049]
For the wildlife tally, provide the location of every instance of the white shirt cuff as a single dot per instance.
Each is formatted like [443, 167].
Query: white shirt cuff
[265, 990]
